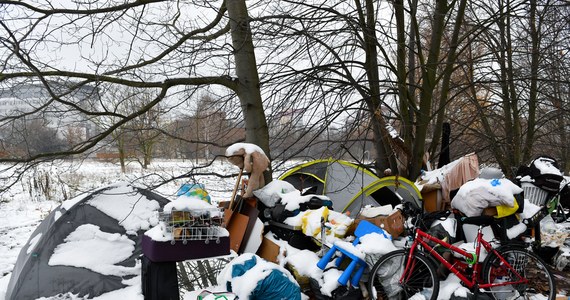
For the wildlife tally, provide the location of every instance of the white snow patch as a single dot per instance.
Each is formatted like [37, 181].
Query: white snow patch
[124, 204]
[330, 281]
[375, 243]
[437, 175]
[271, 193]
[530, 209]
[450, 286]
[350, 248]
[187, 203]
[133, 291]
[545, 166]
[89, 247]
[293, 199]
[57, 215]
[33, 242]
[248, 148]
[68, 204]
[305, 262]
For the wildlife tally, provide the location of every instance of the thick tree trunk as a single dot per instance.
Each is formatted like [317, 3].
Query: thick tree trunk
[446, 80]
[429, 77]
[385, 157]
[248, 88]
[406, 97]
[533, 93]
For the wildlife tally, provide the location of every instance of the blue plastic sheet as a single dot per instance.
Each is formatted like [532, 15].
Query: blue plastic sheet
[276, 285]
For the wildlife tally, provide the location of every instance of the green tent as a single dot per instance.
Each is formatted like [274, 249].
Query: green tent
[349, 186]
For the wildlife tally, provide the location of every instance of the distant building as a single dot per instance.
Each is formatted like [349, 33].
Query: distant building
[34, 102]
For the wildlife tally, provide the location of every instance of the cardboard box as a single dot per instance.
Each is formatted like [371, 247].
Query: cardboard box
[430, 201]
[393, 224]
[269, 250]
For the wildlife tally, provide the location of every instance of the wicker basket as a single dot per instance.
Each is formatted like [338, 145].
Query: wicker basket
[534, 194]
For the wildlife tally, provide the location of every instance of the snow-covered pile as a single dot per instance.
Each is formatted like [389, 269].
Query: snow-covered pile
[479, 193]
[21, 212]
[437, 175]
[190, 203]
[20, 216]
[546, 166]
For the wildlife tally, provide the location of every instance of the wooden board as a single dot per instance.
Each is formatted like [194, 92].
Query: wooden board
[236, 224]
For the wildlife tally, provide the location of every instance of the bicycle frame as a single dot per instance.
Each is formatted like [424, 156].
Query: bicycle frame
[422, 238]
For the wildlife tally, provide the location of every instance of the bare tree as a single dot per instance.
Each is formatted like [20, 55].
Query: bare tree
[415, 64]
[409, 65]
[145, 129]
[157, 47]
[512, 83]
[347, 52]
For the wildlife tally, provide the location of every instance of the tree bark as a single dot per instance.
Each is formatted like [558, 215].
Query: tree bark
[446, 80]
[385, 157]
[429, 72]
[533, 93]
[248, 85]
[406, 97]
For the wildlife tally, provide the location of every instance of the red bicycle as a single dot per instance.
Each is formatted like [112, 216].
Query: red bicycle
[510, 271]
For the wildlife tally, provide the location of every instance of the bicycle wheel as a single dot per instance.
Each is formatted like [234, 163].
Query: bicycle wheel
[422, 282]
[540, 280]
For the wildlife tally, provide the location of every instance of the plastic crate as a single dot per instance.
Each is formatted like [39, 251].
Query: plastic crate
[534, 194]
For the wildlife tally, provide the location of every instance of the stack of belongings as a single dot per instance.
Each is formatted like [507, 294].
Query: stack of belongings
[540, 180]
[439, 186]
[190, 227]
[387, 217]
[298, 218]
[491, 195]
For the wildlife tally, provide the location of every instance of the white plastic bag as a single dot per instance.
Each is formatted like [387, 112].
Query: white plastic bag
[547, 225]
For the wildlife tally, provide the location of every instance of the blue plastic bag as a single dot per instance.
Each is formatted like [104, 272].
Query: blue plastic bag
[276, 285]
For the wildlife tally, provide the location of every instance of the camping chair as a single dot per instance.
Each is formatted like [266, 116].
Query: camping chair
[357, 263]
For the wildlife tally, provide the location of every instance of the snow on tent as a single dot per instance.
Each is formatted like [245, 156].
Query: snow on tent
[349, 186]
[87, 246]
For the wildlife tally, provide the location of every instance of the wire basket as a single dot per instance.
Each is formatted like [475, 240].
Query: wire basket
[193, 217]
[194, 224]
[534, 194]
[206, 234]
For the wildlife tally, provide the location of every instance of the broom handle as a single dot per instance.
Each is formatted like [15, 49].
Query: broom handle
[236, 188]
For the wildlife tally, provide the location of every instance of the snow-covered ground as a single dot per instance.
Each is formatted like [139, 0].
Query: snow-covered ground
[36, 194]
[25, 205]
